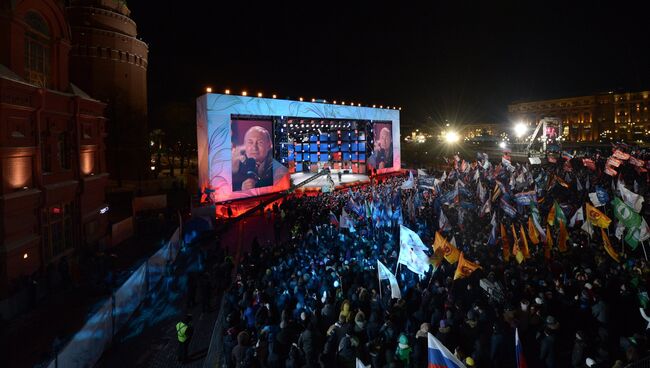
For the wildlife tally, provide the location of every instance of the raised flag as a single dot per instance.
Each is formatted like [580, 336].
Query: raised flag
[552, 159]
[508, 208]
[566, 155]
[525, 198]
[333, 220]
[609, 171]
[422, 173]
[464, 267]
[439, 356]
[636, 162]
[516, 250]
[555, 214]
[532, 231]
[409, 183]
[596, 217]
[578, 216]
[625, 214]
[638, 234]
[548, 244]
[621, 155]
[519, 350]
[602, 195]
[385, 274]
[361, 365]
[449, 251]
[561, 181]
[579, 187]
[505, 243]
[567, 166]
[608, 246]
[443, 222]
[589, 164]
[346, 221]
[534, 213]
[562, 238]
[586, 227]
[412, 257]
[630, 198]
[524, 242]
[614, 162]
[493, 233]
[594, 199]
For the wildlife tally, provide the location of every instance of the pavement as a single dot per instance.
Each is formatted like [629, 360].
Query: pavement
[62, 312]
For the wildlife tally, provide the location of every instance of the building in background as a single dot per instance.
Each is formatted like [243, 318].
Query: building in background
[52, 171]
[592, 118]
[110, 63]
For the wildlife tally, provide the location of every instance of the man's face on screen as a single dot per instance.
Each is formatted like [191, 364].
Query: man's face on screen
[257, 143]
[384, 138]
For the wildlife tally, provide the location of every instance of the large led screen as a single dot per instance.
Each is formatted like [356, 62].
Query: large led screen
[229, 170]
[381, 157]
[253, 164]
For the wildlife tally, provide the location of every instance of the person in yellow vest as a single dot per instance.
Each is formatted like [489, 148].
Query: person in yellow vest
[184, 332]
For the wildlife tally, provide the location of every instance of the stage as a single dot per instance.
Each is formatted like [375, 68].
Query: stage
[346, 180]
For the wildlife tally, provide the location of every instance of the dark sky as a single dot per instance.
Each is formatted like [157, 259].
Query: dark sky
[449, 60]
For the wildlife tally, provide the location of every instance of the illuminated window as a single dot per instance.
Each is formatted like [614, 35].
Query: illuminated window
[37, 50]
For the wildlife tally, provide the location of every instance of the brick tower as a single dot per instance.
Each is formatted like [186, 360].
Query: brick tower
[110, 63]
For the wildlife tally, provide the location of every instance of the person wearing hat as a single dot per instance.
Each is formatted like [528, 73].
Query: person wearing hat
[579, 348]
[421, 347]
[469, 362]
[444, 335]
[403, 351]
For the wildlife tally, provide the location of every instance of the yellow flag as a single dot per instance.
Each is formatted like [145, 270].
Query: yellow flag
[551, 215]
[562, 238]
[516, 250]
[504, 242]
[524, 242]
[596, 217]
[464, 268]
[495, 193]
[532, 231]
[549, 244]
[450, 252]
[608, 246]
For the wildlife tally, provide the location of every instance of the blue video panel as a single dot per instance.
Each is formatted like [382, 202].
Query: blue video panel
[313, 147]
[299, 166]
[324, 157]
[313, 157]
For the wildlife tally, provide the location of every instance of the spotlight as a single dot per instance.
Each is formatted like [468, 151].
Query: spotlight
[244, 93]
[313, 100]
[227, 91]
[300, 99]
[274, 96]
[520, 130]
[502, 144]
[451, 137]
[208, 90]
[259, 94]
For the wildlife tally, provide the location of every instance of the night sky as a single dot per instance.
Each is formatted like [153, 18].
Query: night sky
[452, 60]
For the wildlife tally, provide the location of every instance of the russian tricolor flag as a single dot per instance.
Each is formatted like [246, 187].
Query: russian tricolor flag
[521, 361]
[440, 357]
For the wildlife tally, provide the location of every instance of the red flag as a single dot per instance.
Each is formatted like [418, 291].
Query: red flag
[621, 155]
[589, 164]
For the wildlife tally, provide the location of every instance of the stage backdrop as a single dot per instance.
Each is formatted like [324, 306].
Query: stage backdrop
[221, 132]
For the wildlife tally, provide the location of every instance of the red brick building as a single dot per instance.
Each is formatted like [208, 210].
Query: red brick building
[52, 168]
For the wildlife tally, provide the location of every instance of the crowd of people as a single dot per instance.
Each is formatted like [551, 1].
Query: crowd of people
[314, 298]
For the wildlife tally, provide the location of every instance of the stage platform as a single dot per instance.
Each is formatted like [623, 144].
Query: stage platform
[346, 180]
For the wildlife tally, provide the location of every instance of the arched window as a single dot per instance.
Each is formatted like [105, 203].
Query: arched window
[37, 50]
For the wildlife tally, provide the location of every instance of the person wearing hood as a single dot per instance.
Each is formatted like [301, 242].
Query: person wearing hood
[403, 351]
[421, 346]
[445, 335]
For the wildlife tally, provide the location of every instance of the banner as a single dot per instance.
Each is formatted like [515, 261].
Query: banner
[596, 217]
[637, 235]
[411, 252]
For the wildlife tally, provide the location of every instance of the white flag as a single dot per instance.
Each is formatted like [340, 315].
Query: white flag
[346, 221]
[411, 251]
[578, 185]
[594, 199]
[361, 365]
[630, 198]
[444, 176]
[422, 173]
[476, 175]
[385, 274]
[443, 222]
[586, 227]
[620, 228]
[409, 183]
[578, 216]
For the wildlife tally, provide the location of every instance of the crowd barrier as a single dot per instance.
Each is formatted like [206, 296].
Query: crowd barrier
[88, 344]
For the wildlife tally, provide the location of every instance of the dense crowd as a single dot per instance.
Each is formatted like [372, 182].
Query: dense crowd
[313, 299]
